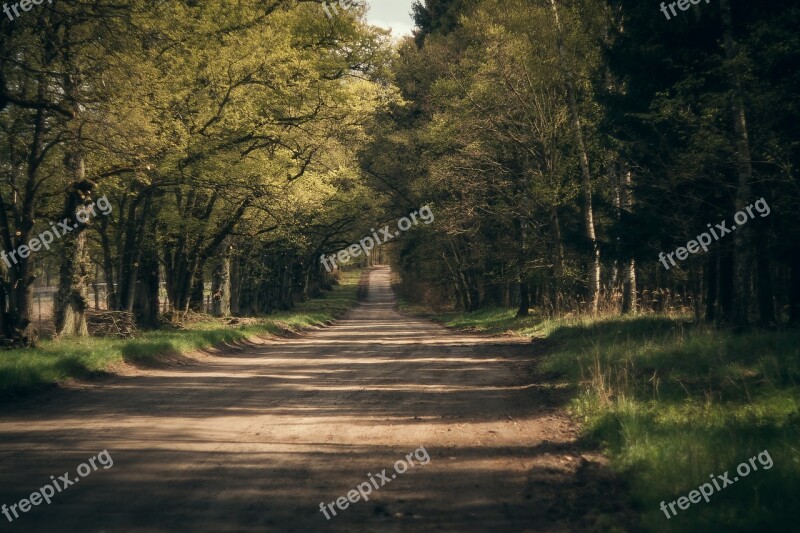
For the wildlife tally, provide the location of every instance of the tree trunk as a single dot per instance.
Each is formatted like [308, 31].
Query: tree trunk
[468, 296]
[766, 305]
[196, 303]
[71, 302]
[108, 266]
[69, 315]
[742, 237]
[221, 283]
[558, 259]
[710, 279]
[696, 289]
[586, 182]
[764, 288]
[17, 272]
[629, 293]
[524, 299]
[16, 298]
[179, 278]
[725, 284]
[129, 260]
[520, 228]
[236, 284]
[558, 262]
[146, 295]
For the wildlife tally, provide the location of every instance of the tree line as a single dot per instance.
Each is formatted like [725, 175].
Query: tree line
[567, 143]
[222, 135]
[563, 144]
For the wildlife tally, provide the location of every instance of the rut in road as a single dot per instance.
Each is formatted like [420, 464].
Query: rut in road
[254, 440]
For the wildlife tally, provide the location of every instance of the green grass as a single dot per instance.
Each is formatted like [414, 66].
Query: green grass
[672, 403]
[25, 370]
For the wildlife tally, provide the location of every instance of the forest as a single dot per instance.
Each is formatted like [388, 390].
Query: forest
[565, 145]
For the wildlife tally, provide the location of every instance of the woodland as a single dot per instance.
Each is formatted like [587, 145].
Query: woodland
[563, 146]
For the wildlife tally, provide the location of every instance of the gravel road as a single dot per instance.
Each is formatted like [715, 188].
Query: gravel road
[254, 438]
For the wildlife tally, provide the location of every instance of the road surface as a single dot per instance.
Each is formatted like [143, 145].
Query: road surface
[255, 439]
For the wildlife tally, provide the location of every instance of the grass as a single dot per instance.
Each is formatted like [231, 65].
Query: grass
[672, 402]
[25, 370]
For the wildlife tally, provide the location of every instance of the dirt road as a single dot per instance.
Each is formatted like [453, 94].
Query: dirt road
[255, 440]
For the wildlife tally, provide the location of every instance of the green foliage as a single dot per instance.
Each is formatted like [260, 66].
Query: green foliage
[673, 403]
[219, 133]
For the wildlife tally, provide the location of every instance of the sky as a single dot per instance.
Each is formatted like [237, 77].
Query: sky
[395, 14]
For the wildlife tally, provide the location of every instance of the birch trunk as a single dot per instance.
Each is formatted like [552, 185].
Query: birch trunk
[586, 182]
[629, 293]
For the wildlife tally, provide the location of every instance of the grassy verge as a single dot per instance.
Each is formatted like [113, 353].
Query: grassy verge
[672, 403]
[24, 370]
